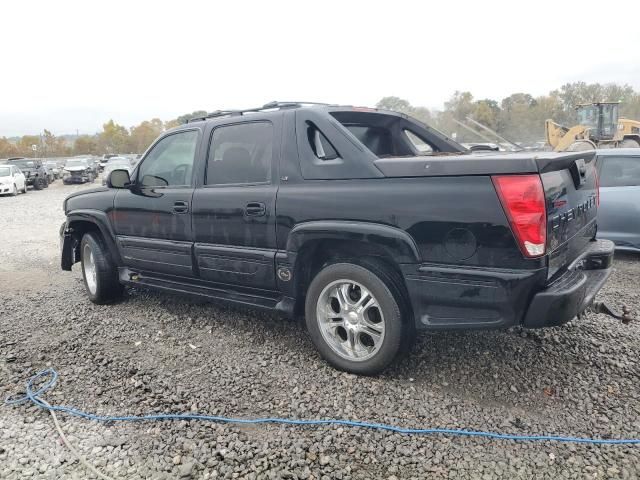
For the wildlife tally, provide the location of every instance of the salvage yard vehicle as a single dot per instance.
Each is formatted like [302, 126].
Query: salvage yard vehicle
[77, 170]
[105, 158]
[619, 212]
[367, 222]
[115, 163]
[12, 180]
[33, 170]
[53, 168]
[598, 127]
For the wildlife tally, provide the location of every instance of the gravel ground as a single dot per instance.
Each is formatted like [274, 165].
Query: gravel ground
[158, 353]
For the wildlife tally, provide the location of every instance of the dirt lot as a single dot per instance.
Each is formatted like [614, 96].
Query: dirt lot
[158, 353]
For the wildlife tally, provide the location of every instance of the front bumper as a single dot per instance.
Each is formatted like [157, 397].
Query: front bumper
[74, 179]
[459, 297]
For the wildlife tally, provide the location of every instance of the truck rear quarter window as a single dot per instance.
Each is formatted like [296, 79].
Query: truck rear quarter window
[321, 146]
[240, 154]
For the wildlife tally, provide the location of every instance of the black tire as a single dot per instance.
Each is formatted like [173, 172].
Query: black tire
[398, 335]
[107, 288]
[45, 182]
[38, 184]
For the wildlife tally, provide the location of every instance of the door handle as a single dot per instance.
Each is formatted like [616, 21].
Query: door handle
[255, 209]
[181, 207]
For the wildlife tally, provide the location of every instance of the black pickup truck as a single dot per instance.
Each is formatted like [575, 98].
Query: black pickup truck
[366, 222]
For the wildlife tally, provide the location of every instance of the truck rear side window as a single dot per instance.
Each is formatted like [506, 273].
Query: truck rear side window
[320, 145]
[240, 154]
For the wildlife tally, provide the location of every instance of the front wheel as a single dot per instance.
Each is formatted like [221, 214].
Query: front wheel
[354, 319]
[38, 184]
[99, 272]
[14, 192]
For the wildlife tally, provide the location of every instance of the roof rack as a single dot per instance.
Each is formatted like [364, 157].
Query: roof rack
[267, 106]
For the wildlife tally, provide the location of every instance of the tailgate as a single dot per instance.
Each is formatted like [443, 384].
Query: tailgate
[570, 187]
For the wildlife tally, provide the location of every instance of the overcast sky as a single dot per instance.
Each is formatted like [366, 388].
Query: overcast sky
[70, 66]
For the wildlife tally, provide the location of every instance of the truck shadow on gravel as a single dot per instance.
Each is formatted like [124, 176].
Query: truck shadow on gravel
[494, 367]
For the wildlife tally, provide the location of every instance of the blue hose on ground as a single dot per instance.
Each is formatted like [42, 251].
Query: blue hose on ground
[50, 376]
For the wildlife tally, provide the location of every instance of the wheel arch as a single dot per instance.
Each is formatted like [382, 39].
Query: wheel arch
[80, 222]
[313, 245]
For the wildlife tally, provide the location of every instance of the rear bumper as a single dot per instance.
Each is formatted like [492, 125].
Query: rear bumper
[451, 297]
[575, 290]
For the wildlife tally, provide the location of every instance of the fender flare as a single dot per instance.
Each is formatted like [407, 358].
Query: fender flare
[101, 220]
[397, 243]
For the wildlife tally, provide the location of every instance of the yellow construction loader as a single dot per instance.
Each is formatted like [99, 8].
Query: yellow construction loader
[598, 127]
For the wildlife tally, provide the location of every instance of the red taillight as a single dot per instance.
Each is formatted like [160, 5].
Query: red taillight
[523, 201]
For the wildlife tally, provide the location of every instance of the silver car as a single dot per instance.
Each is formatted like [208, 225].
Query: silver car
[619, 211]
[116, 163]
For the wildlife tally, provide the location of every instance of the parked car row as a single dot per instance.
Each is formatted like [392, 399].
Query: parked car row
[34, 171]
[18, 173]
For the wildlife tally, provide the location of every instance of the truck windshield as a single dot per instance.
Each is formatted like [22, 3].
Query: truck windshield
[76, 163]
[24, 163]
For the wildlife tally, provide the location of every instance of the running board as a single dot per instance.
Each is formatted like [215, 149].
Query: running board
[260, 299]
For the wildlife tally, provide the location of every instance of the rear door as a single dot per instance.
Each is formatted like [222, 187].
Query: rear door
[570, 187]
[619, 211]
[234, 210]
[153, 219]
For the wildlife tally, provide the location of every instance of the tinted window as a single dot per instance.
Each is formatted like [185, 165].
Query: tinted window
[418, 143]
[240, 154]
[620, 172]
[320, 145]
[170, 163]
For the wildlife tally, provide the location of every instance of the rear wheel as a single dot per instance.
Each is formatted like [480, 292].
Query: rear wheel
[354, 319]
[581, 146]
[99, 272]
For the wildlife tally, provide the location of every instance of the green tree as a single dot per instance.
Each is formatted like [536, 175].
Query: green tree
[184, 118]
[7, 148]
[86, 145]
[401, 105]
[25, 143]
[114, 138]
[143, 134]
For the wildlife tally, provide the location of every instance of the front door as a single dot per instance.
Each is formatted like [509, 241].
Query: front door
[153, 218]
[234, 210]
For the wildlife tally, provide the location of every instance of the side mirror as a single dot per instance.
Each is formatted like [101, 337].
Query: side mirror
[118, 179]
